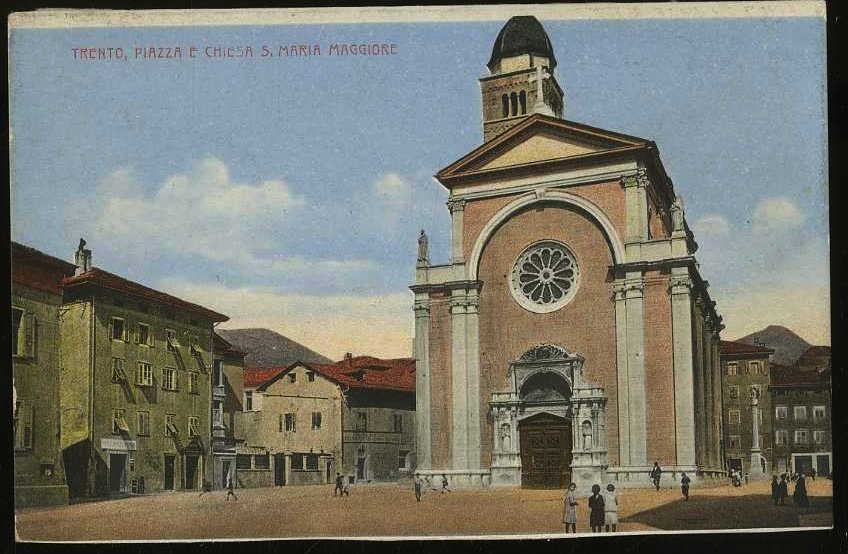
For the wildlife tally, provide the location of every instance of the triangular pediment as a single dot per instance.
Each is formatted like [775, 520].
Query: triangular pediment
[539, 139]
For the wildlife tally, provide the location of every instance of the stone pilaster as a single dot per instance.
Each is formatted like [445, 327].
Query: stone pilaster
[636, 206]
[634, 334]
[422, 380]
[684, 397]
[709, 435]
[459, 379]
[457, 210]
[698, 374]
[619, 297]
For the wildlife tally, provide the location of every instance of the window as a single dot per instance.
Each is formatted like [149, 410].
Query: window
[193, 383]
[310, 376]
[143, 336]
[504, 105]
[290, 423]
[801, 436]
[119, 424]
[781, 412]
[193, 426]
[293, 377]
[171, 340]
[818, 437]
[218, 413]
[17, 332]
[398, 421]
[818, 413]
[194, 346]
[144, 374]
[522, 99]
[171, 425]
[143, 421]
[118, 373]
[755, 368]
[781, 438]
[513, 102]
[316, 420]
[800, 413]
[732, 368]
[312, 462]
[733, 441]
[261, 461]
[544, 277]
[243, 461]
[297, 461]
[23, 425]
[402, 455]
[132, 463]
[117, 329]
[733, 416]
[733, 391]
[361, 421]
[248, 401]
[169, 378]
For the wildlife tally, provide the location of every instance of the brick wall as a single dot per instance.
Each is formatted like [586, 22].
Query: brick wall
[659, 370]
[440, 381]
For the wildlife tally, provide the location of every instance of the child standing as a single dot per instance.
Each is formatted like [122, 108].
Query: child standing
[596, 507]
[569, 509]
[610, 508]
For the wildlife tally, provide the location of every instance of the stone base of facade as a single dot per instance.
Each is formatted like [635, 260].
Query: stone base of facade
[584, 476]
[458, 478]
[506, 476]
[41, 495]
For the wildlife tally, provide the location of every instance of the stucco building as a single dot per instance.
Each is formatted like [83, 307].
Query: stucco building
[306, 422]
[744, 366]
[136, 387]
[36, 303]
[227, 397]
[571, 335]
[802, 402]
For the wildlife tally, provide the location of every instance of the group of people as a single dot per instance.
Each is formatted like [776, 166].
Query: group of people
[603, 509]
[780, 490]
[426, 483]
[656, 475]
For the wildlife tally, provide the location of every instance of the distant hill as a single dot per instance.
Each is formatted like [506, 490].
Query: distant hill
[787, 346]
[265, 348]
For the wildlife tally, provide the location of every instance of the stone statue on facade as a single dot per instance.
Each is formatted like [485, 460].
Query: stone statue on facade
[423, 255]
[505, 438]
[587, 435]
[677, 220]
[755, 392]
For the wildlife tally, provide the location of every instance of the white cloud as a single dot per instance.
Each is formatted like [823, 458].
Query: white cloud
[379, 325]
[714, 225]
[392, 188]
[775, 214]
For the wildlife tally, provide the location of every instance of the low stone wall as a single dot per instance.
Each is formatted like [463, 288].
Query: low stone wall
[457, 478]
[254, 478]
[41, 495]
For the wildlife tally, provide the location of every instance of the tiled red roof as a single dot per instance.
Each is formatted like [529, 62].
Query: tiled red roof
[256, 376]
[35, 269]
[788, 376]
[108, 280]
[367, 372]
[729, 347]
[815, 355]
[357, 372]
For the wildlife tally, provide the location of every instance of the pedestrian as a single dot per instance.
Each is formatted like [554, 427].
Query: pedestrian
[417, 486]
[656, 474]
[346, 485]
[339, 488]
[569, 509]
[445, 484]
[596, 509]
[800, 493]
[610, 508]
[813, 473]
[782, 489]
[775, 489]
[684, 486]
[230, 486]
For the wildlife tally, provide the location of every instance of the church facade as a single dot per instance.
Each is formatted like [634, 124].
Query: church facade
[571, 336]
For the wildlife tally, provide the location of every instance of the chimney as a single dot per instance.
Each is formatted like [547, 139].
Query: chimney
[82, 258]
[348, 359]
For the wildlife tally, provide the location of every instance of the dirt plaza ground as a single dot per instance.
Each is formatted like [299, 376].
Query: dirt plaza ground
[391, 510]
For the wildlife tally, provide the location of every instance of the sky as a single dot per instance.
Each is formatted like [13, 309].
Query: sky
[288, 192]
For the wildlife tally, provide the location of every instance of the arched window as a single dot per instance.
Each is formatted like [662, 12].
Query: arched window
[522, 98]
[513, 100]
[505, 101]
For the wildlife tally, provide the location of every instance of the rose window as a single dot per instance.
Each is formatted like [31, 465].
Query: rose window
[544, 277]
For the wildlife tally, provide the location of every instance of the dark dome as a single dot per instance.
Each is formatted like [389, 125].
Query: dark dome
[522, 34]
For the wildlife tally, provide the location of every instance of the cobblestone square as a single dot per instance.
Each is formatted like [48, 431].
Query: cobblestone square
[391, 510]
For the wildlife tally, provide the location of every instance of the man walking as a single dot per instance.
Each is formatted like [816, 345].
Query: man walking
[230, 486]
[339, 488]
[656, 474]
[445, 484]
[684, 486]
[417, 485]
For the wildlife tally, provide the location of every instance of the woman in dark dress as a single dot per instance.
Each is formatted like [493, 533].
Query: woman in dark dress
[596, 505]
[782, 490]
[775, 489]
[800, 494]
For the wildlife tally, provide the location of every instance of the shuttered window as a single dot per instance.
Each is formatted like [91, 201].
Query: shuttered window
[23, 425]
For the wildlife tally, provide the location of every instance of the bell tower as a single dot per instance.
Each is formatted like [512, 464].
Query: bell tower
[521, 80]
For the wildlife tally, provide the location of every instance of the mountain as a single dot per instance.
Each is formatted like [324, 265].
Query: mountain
[265, 348]
[787, 346]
